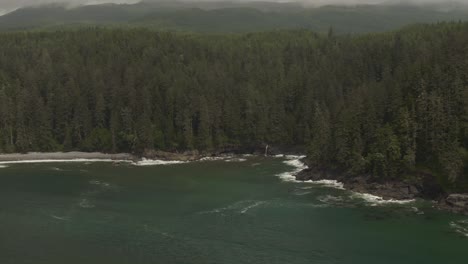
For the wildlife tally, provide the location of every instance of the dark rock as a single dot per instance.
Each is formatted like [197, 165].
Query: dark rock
[182, 156]
[388, 189]
[457, 203]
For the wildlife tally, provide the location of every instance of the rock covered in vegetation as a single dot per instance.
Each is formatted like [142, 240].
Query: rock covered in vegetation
[424, 187]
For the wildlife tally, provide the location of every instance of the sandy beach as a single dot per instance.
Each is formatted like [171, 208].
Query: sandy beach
[64, 156]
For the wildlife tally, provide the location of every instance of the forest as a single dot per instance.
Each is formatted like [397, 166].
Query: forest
[384, 104]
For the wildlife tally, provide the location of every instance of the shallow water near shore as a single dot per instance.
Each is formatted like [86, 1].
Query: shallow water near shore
[242, 211]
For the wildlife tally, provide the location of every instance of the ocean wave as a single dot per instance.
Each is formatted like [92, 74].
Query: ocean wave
[148, 162]
[298, 165]
[240, 206]
[3, 166]
[61, 218]
[460, 227]
[416, 210]
[258, 203]
[301, 193]
[235, 160]
[215, 158]
[328, 183]
[85, 203]
[374, 200]
[330, 199]
[294, 157]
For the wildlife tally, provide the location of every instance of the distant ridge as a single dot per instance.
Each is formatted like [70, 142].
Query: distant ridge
[222, 17]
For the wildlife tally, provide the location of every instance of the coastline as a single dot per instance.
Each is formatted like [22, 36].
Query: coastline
[390, 191]
[36, 157]
[382, 192]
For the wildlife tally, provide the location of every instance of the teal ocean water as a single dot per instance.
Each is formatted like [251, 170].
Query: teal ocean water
[243, 211]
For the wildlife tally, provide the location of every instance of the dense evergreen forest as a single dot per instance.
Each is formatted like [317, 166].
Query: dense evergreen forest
[385, 104]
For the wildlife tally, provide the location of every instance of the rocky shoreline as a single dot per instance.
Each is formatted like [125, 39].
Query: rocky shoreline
[425, 187]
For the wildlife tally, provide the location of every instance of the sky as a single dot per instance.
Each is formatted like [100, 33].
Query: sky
[9, 5]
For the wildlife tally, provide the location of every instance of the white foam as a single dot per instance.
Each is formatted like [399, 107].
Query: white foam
[236, 160]
[60, 161]
[294, 157]
[295, 161]
[290, 176]
[460, 227]
[148, 162]
[214, 158]
[85, 203]
[301, 193]
[258, 203]
[377, 200]
[240, 206]
[60, 218]
[330, 199]
[328, 183]
[3, 166]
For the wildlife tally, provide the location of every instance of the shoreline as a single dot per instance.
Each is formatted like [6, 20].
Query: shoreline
[390, 191]
[74, 156]
[386, 192]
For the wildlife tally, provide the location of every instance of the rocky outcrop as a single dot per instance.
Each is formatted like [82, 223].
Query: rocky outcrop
[192, 155]
[457, 203]
[424, 187]
[162, 155]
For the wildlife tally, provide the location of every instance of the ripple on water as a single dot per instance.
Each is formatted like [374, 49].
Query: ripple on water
[61, 218]
[241, 207]
[301, 193]
[85, 203]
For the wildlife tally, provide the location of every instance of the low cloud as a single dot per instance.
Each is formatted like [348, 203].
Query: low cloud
[9, 5]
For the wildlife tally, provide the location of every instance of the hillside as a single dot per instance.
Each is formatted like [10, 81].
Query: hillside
[230, 17]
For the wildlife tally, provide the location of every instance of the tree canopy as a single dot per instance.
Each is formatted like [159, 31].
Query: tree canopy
[384, 104]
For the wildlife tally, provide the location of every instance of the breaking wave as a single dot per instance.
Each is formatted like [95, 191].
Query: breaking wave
[236, 160]
[213, 158]
[148, 162]
[460, 227]
[374, 200]
[298, 165]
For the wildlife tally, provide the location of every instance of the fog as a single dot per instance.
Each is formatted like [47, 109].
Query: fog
[9, 5]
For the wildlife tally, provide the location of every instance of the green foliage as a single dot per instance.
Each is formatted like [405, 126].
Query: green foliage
[100, 139]
[381, 104]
